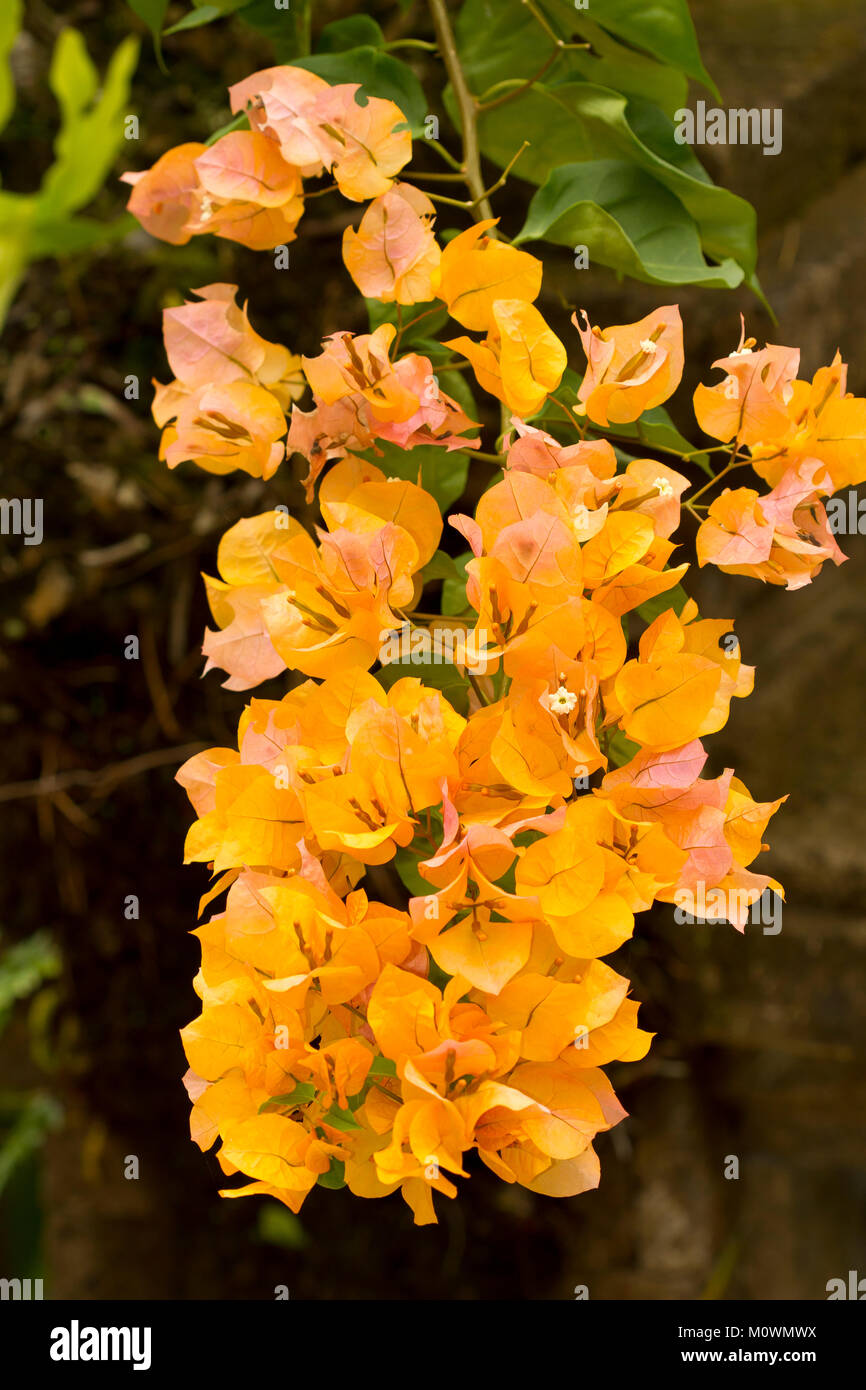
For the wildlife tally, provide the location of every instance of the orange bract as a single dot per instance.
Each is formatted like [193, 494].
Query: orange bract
[248, 185]
[394, 256]
[630, 368]
[538, 787]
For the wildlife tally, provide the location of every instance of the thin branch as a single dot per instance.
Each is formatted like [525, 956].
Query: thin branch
[104, 778]
[728, 468]
[569, 415]
[494, 187]
[548, 29]
[473, 681]
[403, 328]
[384, 1089]
[410, 43]
[664, 448]
[517, 86]
[467, 107]
[695, 453]
[448, 157]
[452, 202]
[443, 178]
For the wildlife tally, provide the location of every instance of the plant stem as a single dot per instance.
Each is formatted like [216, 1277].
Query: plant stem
[238, 123]
[664, 448]
[404, 327]
[447, 156]
[410, 43]
[446, 178]
[494, 187]
[728, 468]
[548, 29]
[303, 27]
[570, 417]
[482, 700]
[385, 1091]
[467, 107]
[517, 86]
[452, 202]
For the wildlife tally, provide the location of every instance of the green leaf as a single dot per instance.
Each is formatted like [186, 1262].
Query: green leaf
[727, 223]
[24, 967]
[91, 132]
[335, 1177]
[454, 602]
[196, 19]
[627, 221]
[432, 349]
[675, 598]
[72, 76]
[662, 28]
[502, 44]
[14, 242]
[437, 675]
[356, 31]
[578, 121]
[90, 135]
[433, 318]
[239, 122]
[439, 566]
[379, 74]
[443, 474]
[287, 29]
[38, 1116]
[68, 236]
[279, 1226]
[340, 1119]
[615, 65]
[152, 13]
[621, 750]
[383, 1066]
[406, 863]
[10, 24]
[302, 1093]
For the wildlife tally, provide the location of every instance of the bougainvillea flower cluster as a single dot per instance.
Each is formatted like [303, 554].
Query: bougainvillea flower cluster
[388, 1045]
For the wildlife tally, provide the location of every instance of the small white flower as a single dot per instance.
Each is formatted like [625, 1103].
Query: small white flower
[663, 487]
[649, 347]
[562, 701]
[742, 352]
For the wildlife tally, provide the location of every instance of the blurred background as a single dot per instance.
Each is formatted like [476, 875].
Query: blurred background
[759, 1052]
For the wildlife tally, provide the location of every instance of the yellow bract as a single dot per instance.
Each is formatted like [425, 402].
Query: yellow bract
[538, 782]
[477, 270]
